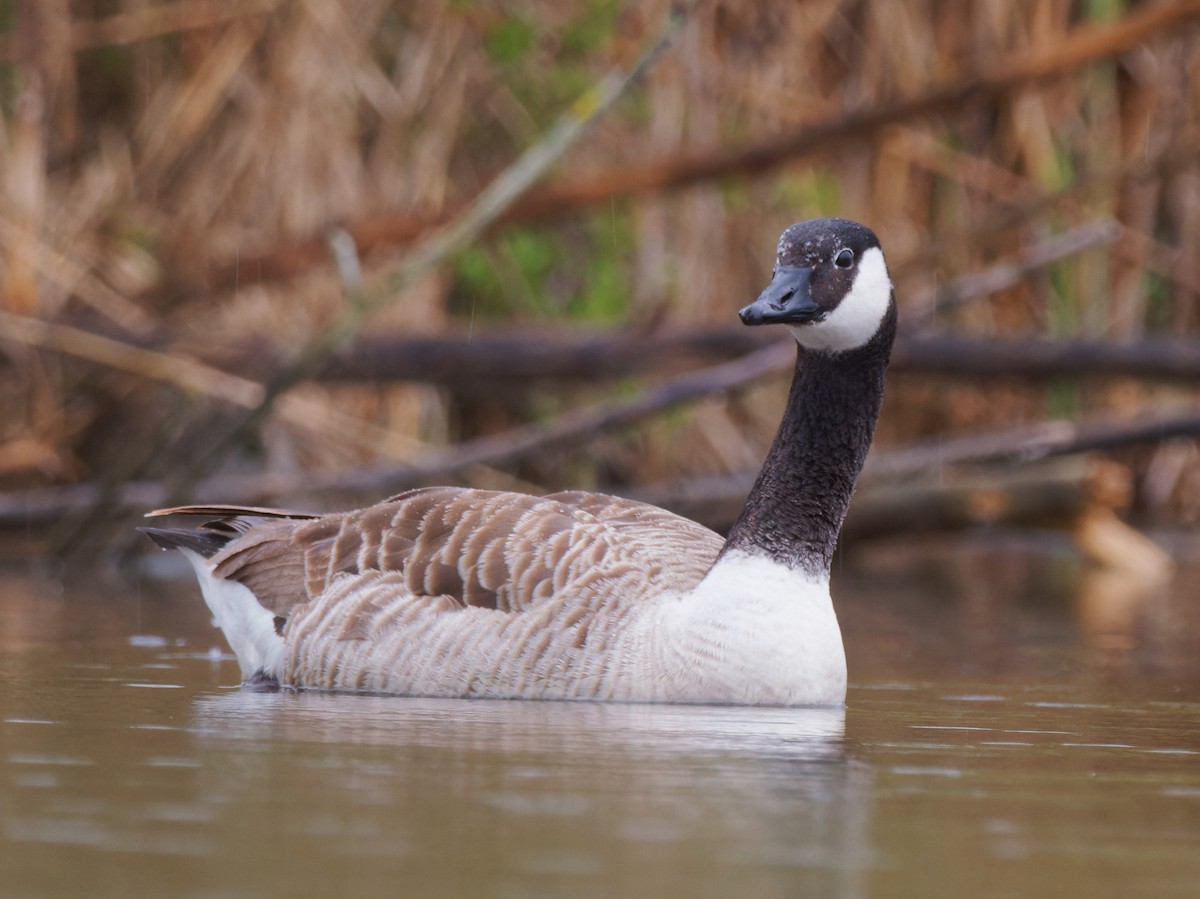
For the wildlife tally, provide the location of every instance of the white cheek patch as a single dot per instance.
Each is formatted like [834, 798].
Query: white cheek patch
[860, 313]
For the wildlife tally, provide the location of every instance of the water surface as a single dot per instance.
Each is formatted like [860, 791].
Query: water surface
[1017, 725]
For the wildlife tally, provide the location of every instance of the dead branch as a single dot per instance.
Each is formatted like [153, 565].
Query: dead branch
[1051, 493]
[1031, 358]
[1011, 446]
[1085, 46]
[1029, 443]
[1006, 275]
[515, 362]
[46, 504]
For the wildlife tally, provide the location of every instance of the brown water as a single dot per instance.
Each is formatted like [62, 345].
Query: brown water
[1017, 726]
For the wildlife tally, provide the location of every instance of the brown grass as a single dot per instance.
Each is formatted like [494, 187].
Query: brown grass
[145, 151]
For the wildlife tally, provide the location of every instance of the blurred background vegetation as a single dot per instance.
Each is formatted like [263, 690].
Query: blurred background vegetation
[170, 171]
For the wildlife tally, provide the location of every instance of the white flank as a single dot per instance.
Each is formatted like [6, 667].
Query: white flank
[753, 631]
[859, 314]
[248, 627]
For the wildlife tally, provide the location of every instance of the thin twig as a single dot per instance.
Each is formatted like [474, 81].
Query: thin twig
[192, 376]
[1008, 274]
[1030, 443]
[150, 22]
[75, 278]
[181, 371]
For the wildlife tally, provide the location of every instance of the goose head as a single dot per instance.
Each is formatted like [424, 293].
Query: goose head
[830, 286]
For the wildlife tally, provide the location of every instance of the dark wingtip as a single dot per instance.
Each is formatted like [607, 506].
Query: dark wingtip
[203, 542]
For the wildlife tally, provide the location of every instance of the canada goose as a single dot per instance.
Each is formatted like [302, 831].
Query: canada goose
[451, 591]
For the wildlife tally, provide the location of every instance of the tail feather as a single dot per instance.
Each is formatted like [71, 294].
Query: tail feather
[206, 543]
[210, 537]
[254, 632]
[230, 511]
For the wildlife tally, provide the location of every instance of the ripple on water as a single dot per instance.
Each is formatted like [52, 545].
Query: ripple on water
[172, 763]
[1067, 705]
[926, 771]
[78, 831]
[158, 727]
[65, 761]
[151, 686]
[36, 780]
[948, 727]
[1182, 792]
[148, 641]
[1018, 743]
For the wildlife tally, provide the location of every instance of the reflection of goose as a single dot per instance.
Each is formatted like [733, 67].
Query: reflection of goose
[448, 591]
[586, 733]
[454, 797]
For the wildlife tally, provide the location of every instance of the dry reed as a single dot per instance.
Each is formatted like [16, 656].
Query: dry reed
[144, 153]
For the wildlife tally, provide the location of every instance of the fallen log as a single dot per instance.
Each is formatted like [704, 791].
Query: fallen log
[1050, 493]
[510, 361]
[1036, 359]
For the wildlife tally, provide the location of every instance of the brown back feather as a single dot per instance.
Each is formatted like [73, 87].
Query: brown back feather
[503, 551]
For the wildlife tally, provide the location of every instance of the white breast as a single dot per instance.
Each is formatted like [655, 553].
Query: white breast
[754, 631]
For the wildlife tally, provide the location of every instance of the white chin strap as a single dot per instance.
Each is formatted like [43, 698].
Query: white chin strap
[860, 313]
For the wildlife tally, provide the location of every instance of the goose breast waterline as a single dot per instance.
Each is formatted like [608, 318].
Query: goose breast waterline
[462, 592]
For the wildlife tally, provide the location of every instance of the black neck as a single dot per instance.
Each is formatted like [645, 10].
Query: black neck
[796, 508]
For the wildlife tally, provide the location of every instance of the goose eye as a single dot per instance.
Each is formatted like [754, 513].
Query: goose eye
[844, 259]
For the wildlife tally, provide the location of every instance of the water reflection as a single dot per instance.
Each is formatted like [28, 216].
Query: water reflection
[573, 730]
[570, 798]
[1023, 606]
